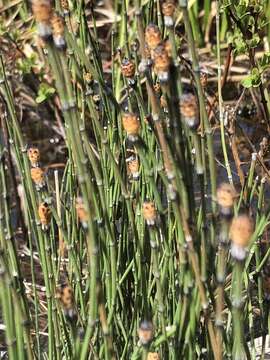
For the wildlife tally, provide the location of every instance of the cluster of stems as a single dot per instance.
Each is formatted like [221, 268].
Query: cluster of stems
[125, 262]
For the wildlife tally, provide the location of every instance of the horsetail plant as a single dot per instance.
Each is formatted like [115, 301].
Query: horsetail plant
[136, 243]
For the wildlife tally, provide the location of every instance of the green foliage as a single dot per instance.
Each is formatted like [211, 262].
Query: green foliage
[264, 62]
[253, 42]
[26, 64]
[224, 4]
[239, 44]
[249, 21]
[44, 92]
[252, 80]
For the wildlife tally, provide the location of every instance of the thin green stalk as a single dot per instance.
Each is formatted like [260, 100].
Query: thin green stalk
[207, 127]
